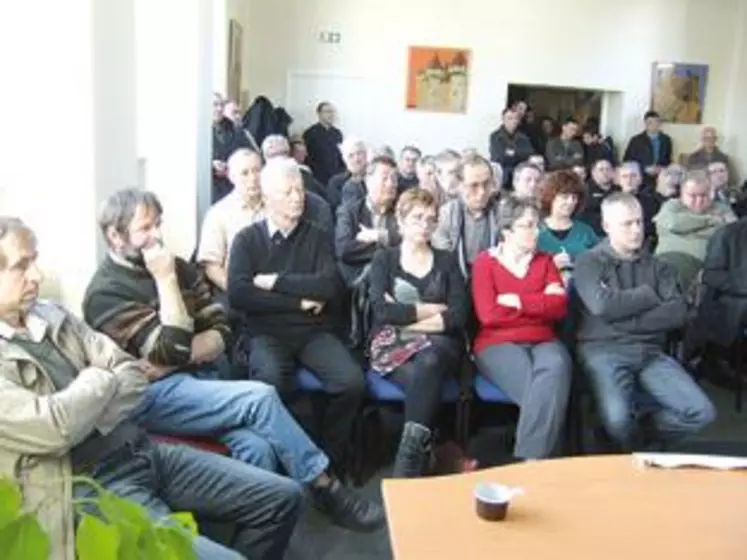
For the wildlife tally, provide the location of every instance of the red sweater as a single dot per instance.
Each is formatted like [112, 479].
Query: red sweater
[535, 321]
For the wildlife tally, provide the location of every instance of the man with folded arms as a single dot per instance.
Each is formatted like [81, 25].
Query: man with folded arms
[631, 302]
[283, 277]
[66, 394]
[159, 308]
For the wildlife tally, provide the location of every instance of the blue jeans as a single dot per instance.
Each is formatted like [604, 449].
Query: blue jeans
[263, 506]
[618, 373]
[247, 416]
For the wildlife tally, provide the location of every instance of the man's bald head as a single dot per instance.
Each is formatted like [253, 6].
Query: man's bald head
[708, 136]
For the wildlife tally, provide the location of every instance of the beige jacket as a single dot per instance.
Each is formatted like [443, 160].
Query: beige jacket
[39, 425]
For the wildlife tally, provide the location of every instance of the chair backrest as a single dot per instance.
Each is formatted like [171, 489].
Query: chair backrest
[361, 315]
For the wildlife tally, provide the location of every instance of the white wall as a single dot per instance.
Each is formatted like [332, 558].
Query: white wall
[223, 12]
[174, 108]
[72, 73]
[600, 44]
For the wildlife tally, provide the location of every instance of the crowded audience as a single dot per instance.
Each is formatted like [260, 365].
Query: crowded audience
[545, 257]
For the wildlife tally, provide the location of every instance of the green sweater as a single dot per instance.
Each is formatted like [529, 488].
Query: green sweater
[580, 238]
[680, 230]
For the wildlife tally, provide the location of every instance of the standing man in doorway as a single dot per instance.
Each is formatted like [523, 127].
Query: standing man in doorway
[322, 144]
[651, 149]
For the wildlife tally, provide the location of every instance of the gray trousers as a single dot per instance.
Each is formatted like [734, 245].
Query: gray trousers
[537, 377]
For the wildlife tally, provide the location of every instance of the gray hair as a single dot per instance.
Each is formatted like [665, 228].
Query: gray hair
[427, 160]
[519, 169]
[239, 154]
[351, 144]
[633, 166]
[676, 172]
[448, 156]
[119, 209]
[11, 225]
[275, 141]
[697, 176]
[628, 200]
[384, 150]
[511, 209]
[276, 170]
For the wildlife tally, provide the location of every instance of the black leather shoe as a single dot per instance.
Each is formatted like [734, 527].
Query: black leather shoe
[347, 509]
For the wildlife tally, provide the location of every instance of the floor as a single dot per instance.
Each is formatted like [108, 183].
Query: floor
[316, 539]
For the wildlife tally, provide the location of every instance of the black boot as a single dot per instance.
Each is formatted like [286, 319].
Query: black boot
[414, 452]
[347, 509]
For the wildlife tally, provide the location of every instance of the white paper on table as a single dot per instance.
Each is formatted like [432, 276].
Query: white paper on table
[677, 460]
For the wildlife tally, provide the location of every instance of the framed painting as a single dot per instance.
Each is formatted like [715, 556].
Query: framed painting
[678, 91]
[235, 60]
[438, 79]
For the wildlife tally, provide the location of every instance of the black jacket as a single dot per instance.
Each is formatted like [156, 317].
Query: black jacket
[641, 149]
[353, 255]
[509, 150]
[260, 119]
[323, 148]
[226, 140]
[723, 310]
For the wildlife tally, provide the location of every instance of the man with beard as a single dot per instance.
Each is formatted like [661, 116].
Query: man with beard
[159, 308]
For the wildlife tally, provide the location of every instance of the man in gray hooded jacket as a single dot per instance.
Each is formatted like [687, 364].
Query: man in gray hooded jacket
[630, 302]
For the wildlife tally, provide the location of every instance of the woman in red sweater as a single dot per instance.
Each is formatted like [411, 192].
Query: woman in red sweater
[519, 297]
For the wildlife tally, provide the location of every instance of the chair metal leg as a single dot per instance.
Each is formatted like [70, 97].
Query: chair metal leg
[738, 367]
[464, 428]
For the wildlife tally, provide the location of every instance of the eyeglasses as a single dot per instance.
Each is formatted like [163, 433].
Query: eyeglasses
[423, 219]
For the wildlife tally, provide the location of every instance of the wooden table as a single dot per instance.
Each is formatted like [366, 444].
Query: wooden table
[582, 508]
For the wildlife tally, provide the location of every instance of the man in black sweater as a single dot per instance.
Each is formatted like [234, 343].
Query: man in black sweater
[282, 276]
[159, 308]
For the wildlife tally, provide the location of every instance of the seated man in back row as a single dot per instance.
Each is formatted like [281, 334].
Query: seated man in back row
[283, 277]
[159, 308]
[66, 393]
[631, 302]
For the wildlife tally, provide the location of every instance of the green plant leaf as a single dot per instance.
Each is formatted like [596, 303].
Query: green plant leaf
[24, 539]
[151, 547]
[185, 520]
[124, 513]
[96, 540]
[130, 519]
[10, 501]
[177, 542]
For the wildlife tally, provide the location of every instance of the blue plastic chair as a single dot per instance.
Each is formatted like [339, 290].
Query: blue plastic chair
[308, 382]
[489, 392]
[380, 389]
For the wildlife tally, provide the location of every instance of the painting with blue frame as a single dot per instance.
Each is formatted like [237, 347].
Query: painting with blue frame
[678, 91]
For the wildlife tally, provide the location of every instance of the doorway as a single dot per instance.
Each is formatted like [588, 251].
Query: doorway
[559, 103]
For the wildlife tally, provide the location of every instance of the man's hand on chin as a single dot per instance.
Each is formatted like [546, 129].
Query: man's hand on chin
[206, 347]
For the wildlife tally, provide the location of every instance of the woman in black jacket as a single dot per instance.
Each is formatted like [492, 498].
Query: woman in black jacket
[420, 310]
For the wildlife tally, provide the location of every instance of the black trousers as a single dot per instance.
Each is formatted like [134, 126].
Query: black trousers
[423, 375]
[275, 361]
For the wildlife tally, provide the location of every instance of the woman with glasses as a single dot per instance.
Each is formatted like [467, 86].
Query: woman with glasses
[420, 309]
[519, 297]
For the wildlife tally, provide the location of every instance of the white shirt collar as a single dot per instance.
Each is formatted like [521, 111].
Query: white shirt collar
[36, 329]
[273, 228]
